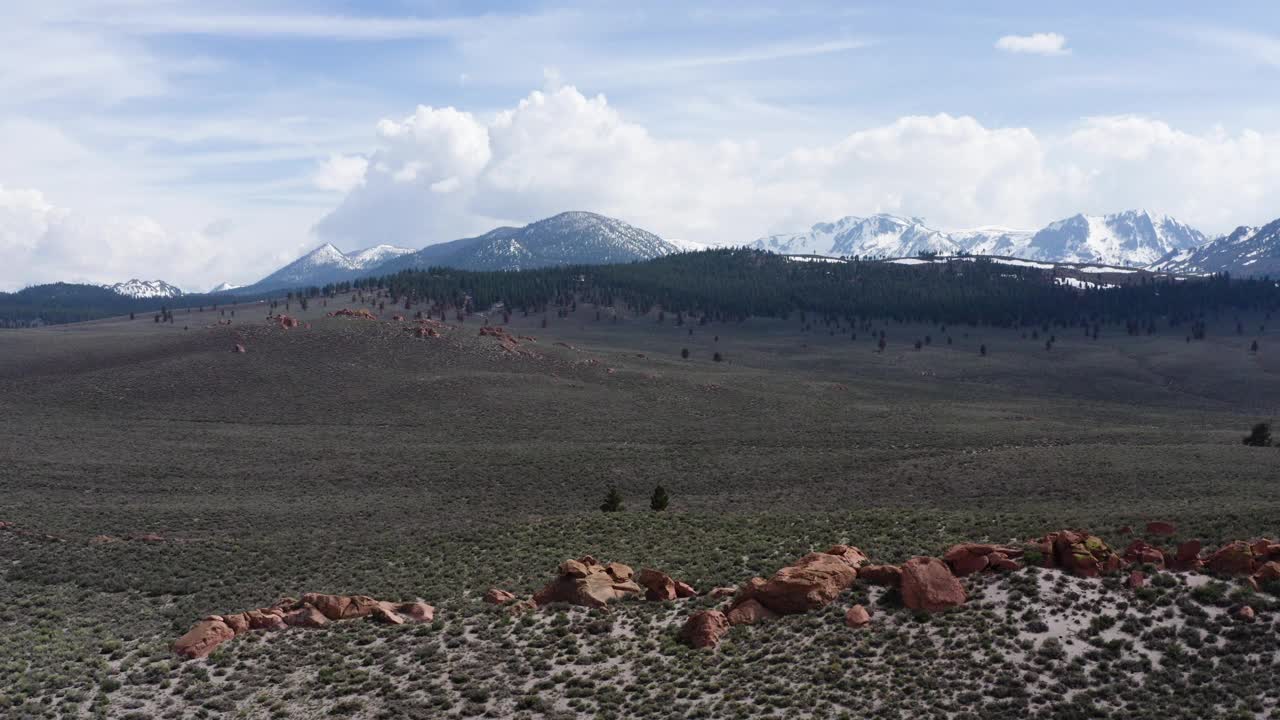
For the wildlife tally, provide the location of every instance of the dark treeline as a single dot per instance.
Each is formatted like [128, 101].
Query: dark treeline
[57, 303]
[735, 284]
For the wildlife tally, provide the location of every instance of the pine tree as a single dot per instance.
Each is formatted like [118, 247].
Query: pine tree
[612, 501]
[659, 500]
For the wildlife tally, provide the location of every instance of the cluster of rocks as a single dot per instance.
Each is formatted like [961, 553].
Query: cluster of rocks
[284, 322]
[925, 584]
[931, 584]
[508, 342]
[362, 314]
[591, 583]
[314, 610]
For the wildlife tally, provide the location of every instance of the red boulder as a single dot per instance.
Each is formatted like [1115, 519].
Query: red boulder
[927, 584]
[704, 629]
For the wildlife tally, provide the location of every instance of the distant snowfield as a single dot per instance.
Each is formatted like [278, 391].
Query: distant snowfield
[1088, 269]
[911, 261]
[1024, 263]
[1082, 284]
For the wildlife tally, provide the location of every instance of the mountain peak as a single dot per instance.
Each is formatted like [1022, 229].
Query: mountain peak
[136, 288]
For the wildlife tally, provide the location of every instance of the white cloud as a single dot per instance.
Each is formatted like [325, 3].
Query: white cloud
[341, 173]
[440, 174]
[1035, 44]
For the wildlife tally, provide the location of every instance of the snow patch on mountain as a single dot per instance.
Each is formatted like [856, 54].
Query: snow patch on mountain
[1244, 251]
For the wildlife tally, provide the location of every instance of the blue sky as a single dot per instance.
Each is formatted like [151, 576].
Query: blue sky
[202, 142]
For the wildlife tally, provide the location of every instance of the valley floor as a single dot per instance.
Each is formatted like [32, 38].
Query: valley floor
[352, 456]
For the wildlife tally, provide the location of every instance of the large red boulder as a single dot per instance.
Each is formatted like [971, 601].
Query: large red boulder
[1234, 558]
[685, 590]
[1268, 572]
[750, 612]
[857, 617]
[881, 575]
[1141, 552]
[1080, 553]
[203, 638]
[306, 616]
[812, 582]
[968, 558]
[704, 629]
[927, 584]
[585, 582]
[416, 612]
[1186, 558]
[341, 607]
[657, 585]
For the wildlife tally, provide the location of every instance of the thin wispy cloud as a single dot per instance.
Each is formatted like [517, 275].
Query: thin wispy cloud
[1034, 44]
[1258, 47]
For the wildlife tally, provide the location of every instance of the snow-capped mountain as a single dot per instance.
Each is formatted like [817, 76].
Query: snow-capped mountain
[1134, 238]
[326, 264]
[1130, 238]
[376, 255]
[136, 288]
[879, 235]
[1243, 251]
[570, 238]
[222, 288]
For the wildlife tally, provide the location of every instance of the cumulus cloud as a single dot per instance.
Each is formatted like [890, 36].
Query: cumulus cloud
[440, 174]
[42, 242]
[1035, 44]
[341, 173]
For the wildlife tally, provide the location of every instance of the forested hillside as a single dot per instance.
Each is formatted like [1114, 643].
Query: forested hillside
[733, 284]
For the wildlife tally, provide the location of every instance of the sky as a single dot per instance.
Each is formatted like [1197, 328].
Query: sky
[203, 142]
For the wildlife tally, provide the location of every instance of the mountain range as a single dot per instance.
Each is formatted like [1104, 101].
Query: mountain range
[1133, 238]
[136, 288]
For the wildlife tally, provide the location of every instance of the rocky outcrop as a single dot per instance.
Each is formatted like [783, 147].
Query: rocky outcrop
[928, 585]
[497, 596]
[361, 314]
[881, 575]
[812, 582]
[1140, 552]
[314, 610]
[1186, 558]
[586, 582]
[1157, 527]
[1077, 552]
[661, 586]
[1232, 559]
[203, 638]
[750, 612]
[969, 558]
[705, 629]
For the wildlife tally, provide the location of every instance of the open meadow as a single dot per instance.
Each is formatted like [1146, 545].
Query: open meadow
[150, 477]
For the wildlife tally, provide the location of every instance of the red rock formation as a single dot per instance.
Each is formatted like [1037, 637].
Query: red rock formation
[361, 314]
[927, 584]
[1245, 614]
[812, 582]
[584, 582]
[1137, 579]
[1186, 558]
[857, 617]
[1157, 527]
[315, 610]
[704, 629]
[203, 638]
[750, 612]
[968, 558]
[497, 596]
[722, 592]
[1234, 558]
[685, 590]
[1079, 553]
[1141, 552]
[881, 575]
